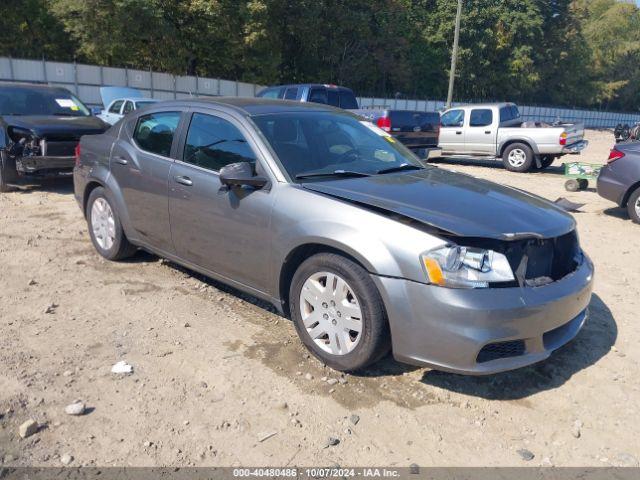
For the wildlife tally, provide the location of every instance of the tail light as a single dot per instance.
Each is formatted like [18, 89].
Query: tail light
[77, 155]
[384, 123]
[614, 155]
[563, 138]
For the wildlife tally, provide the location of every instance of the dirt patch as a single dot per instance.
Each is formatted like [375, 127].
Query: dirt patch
[213, 368]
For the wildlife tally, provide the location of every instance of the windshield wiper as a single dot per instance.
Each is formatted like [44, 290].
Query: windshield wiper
[335, 173]
[399, 168]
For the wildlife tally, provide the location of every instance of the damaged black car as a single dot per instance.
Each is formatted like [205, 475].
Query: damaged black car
[40, 128]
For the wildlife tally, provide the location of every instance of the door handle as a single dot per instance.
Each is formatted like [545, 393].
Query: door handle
[458, 133]
[488, 132]
[183, 180]
[121, 160]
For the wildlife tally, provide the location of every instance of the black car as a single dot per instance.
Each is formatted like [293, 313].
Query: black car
[40, 127]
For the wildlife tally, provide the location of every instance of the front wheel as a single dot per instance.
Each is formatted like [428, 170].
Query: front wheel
[105, 228]
[518, 157]
[633, 206]
[338, 312]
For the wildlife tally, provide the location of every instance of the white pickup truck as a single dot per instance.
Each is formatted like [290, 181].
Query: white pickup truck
[496, 131]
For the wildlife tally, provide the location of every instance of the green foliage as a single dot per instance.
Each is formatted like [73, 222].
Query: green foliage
[563, 52]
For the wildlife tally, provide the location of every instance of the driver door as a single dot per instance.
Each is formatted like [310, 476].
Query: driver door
[452, 131]
[224, 230]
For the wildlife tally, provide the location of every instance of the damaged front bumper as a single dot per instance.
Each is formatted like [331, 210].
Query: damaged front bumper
[28, 157]
[36, 166]
[486, 330]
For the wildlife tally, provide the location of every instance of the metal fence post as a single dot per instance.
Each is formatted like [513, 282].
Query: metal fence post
[11, 69]
[174, 88]
[75, 75]
[151, 80]
[44, 71]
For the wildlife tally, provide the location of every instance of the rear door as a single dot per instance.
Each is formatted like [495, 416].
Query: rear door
[140, 162]
[225, 230]
[452, 131]
[482, 132]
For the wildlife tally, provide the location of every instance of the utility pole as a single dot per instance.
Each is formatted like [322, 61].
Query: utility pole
[454, 55]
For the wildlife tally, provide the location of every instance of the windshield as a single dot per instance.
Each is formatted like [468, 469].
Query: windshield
[40, 101]
[316, 144]
[144, 103]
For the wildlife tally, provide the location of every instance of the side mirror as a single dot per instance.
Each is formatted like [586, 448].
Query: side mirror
[95, 111]
[239, 174]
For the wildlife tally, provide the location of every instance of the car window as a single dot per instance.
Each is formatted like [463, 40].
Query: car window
[318, 95]
[333, 97]
[154, 132]
[128, 106]
[143, 103]
[213, 142]
[323, 142]
[115, 106]
[270, 93]
[509, 112]
[348, 100]
[452, 118]
[291, 93]
[40, 101]
[480, 117]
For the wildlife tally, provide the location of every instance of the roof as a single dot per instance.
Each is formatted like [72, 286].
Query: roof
[31, 86]
[254, 106]
[485, 105]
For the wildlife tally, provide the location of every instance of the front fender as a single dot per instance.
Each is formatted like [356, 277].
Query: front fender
[382, 244]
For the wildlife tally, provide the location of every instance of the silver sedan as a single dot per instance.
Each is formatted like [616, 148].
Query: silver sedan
[329, 218]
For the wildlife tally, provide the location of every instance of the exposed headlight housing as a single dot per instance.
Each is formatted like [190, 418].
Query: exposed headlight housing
[465, 267]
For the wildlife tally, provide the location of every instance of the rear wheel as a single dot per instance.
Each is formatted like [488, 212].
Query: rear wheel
[633, 206]
[105, 228]
[338, 312]
[518, 157]
[572, 185]
[546, 161]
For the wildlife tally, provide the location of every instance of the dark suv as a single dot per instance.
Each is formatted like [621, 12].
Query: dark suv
[619, 180]
[40, 127]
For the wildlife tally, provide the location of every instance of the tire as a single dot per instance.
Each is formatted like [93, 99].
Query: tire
[335, 346]
[583, 183]
[107, 234]
[8, 173]
[633, 205]
[518, 157]
[572, 185]
[546, 161]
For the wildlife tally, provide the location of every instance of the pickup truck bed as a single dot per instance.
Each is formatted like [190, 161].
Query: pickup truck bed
[496, 131]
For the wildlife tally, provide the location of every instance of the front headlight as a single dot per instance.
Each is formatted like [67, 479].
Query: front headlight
[465, 267]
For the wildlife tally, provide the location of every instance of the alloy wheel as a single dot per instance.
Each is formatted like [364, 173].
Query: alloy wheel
[517, 157]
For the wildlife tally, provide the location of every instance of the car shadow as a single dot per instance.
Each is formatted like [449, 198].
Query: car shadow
[63, 186]
[592, 343]
[617, 212]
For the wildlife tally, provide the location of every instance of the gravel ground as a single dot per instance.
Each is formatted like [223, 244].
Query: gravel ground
[219, 379]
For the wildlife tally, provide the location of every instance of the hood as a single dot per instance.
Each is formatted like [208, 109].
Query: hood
[49, 125]
[454, 203]
[109, 94]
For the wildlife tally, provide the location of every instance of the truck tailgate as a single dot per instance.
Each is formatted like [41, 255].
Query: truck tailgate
[575, 132]
[415, 129]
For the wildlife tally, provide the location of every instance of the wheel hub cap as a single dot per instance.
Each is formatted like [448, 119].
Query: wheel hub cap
[103, 223]
[331, 313]
[517, 157]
